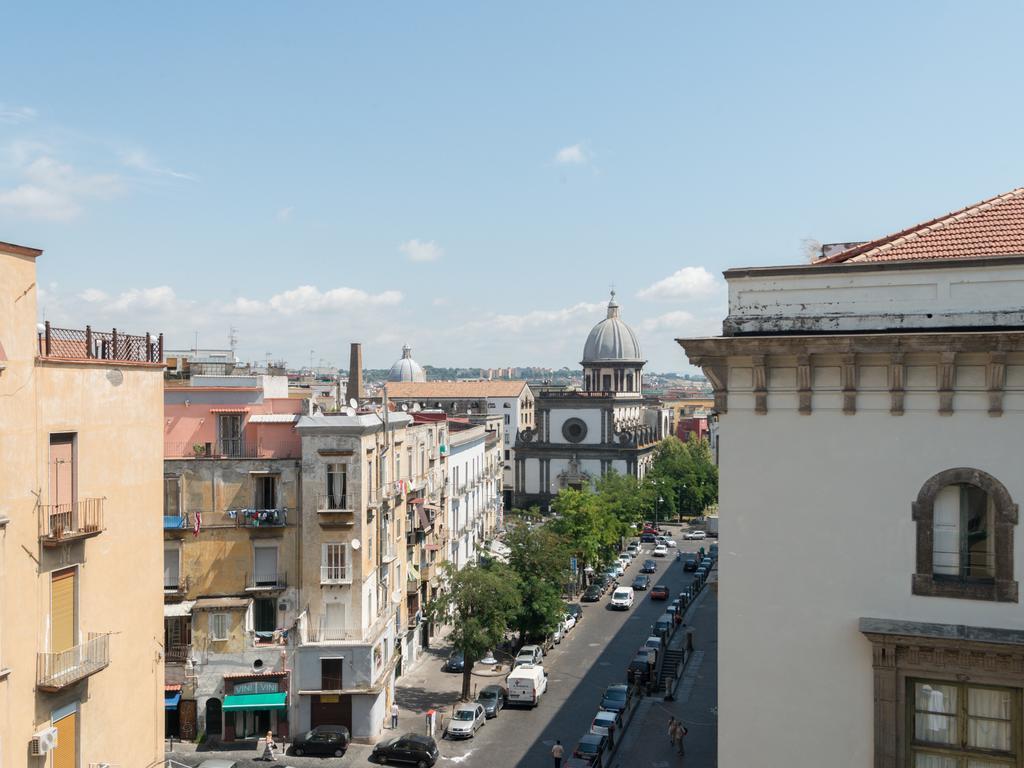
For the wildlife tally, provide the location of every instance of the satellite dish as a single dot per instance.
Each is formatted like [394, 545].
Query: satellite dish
[416, 408]
[405, 407]
[350, 411]
[355, 544]
[353, 403]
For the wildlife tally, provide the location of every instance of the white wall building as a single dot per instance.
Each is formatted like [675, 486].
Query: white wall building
[467, 490]
[872, 412]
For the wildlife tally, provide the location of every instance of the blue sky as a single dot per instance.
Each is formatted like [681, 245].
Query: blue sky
[471, 178]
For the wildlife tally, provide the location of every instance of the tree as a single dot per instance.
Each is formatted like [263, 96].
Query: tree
[684, 475]
[540, 559]
[623, 496]
[590, 530]
[479, 603]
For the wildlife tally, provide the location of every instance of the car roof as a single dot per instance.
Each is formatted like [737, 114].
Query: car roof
[605, 715]
[591, 738]
[330, 728]
[622, 688]
[660, 586]
[466, 705]
[217, 762]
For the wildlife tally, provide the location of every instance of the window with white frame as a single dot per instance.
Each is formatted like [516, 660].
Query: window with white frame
[334, 565]
[220, 626]
[337, 486]
[172, 566]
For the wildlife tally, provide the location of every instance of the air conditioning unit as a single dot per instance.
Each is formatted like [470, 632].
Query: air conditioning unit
[43, 742]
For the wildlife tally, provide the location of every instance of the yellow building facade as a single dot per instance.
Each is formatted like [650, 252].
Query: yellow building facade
[81, 640]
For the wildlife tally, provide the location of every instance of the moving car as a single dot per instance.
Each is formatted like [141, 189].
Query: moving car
[493, 699]
[591, 749]
[616, 698]
[649, 566]
[659, 592]
[695, 535]
[690, 564]
[529, 654]
[647, 538]
[641, 582]
[670, 543]
[592, 594]
[660, 551]
[322, 740]
[411, 748]
[466, 718]
[456, 662]
[622, 598]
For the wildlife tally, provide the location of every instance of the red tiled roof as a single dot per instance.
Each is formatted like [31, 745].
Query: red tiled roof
[172, 687]
[993, 227]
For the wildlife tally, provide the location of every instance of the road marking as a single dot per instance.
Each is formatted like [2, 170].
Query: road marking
[594, 645]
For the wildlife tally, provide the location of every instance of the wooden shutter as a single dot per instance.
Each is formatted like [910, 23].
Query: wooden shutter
[62, 611]
[266, 565]
[66, 754]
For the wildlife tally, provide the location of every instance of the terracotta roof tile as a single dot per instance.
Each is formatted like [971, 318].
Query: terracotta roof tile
[428, 389]
[993, 227]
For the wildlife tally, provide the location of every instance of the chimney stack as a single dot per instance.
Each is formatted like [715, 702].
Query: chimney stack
[355, 374]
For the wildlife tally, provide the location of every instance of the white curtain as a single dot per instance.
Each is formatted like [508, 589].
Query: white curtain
[935, 717]
[934, 761]
[946, 526]
[988, 719]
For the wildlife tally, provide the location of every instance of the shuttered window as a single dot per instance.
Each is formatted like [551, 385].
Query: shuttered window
[66, 754]
[265, 565]
[171, 567]
[63, 627]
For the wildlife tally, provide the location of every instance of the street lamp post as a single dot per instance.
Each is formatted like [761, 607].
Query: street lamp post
[659, 501]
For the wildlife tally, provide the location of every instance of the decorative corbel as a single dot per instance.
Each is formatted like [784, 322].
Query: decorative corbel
[947, 375]
[803, 382]
[995, 381]
[849, 383]
[897, 376]
[760, 384]
[717, 373]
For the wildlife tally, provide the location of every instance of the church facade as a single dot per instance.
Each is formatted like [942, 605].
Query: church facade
[580, 436]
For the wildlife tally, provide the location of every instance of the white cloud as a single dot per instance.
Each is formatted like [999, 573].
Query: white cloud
[92, 295]
[686, 283]
[572, 155]
[12, 114]
[160, 297]
[308, 298]
[549, 319]
[140, 160]
[244, 306]
[418, 250]
[284, 214]
[50, 189]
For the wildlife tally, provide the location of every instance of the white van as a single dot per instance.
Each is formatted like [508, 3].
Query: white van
[526, 684]
[622, 598]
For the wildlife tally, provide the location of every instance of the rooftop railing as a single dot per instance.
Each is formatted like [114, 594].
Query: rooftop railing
[87, 344]
[229, 449]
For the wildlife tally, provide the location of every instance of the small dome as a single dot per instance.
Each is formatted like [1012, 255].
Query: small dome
[611, 340]
[407, 369]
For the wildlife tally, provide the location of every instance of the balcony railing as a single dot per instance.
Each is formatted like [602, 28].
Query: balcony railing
[335, 574]
[260, 582]
[329, 503]
[176, 586]
[60, 523]
[176, 522]
[318, 633]
[75, 344]
[177, 654]
[55, 671]
[229, 449]
[261, 518]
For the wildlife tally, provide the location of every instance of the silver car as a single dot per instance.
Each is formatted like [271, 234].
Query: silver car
[466, 718]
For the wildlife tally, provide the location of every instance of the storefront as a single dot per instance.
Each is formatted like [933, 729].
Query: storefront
[254, 706]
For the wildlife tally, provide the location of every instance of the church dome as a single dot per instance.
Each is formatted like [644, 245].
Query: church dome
[407, 369]
[611, 340]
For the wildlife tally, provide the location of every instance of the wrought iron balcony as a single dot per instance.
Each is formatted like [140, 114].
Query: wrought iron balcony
[56, 671]
[61, 523]
[177, 654]
[176, 587]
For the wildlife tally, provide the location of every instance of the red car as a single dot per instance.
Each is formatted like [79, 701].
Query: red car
[660, 592]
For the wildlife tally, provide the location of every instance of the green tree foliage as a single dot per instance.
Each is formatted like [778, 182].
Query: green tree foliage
[540, 559]
[479, 603]
[684, 476]
[591, 531]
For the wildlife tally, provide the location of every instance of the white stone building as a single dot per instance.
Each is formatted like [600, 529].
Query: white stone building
[872, 411]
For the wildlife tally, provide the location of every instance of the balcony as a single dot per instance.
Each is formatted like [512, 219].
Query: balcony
[56, 671]
[428, 571]
[177, 654]
[229, 449]
[261, 518]
[266, 582]
[176, 522]
[61, 523]
[175, 587]
[335, 512]
[389, 554]
[335, 574]
[75, 344]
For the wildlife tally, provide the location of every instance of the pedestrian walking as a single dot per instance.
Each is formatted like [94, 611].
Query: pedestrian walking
[558, 752]
[681, 737]
[269, 748]
[394, 715]
[672, 730]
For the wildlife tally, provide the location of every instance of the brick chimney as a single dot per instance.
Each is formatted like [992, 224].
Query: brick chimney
[355, 374]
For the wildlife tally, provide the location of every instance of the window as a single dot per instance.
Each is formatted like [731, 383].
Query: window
[230, 431]
[962, 726]
[266, 492]
[63, 474]
[606, 382]
[334, 564]
[264, 613]
[172, 496]
[331, 674]
[265, 565]
[220, 625]
[172, 567]
[508, 419]
[337, 486]
[965, 524]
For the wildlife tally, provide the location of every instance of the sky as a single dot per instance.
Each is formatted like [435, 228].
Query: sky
[473, 178]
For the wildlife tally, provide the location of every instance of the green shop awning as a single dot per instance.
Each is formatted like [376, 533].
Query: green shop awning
[253, 701]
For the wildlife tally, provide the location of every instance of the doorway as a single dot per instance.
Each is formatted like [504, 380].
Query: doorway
[213, 717]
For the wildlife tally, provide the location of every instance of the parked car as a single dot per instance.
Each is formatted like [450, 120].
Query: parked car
[592, 594]
[616, 698]
[591, 748]
[690, 564]
[625, 558]
[622, 598]
[640, 670]
[526, 684]
[575, 610]
[568, 622]
[322, 740]
[529, 654]
[660, 551]
[604, 581]
[695, 535]
[634, 548]
[649, 566]
[466, 719]
[671, 543]
[659, 592]
[217, 762]
[493, 699]
[707, 562]
[713, 551]
[615, 570]
[607, 724]
[641, 581]
[456, 662]
[411, 748]
[650, 653]
[653, 642]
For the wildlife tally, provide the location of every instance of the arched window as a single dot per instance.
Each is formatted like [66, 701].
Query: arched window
[965, 523]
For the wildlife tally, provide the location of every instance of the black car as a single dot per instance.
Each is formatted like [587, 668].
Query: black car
[591, 748]
[493, 699]
[649, 566]
[322, 740]
[575, 609]
[456, 662]
[616, 698]
[641, 582]
[639, 670]
[411, 748]
[593, 594]
[690, 564]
